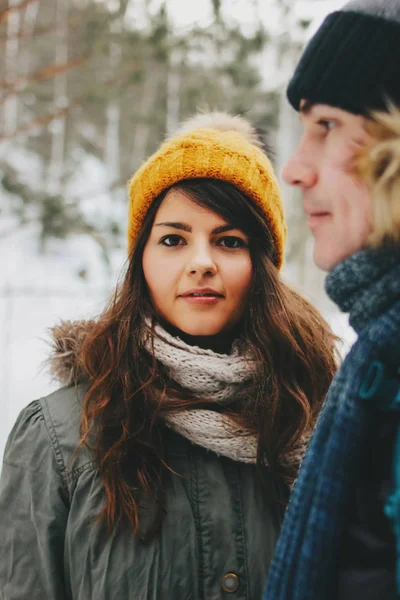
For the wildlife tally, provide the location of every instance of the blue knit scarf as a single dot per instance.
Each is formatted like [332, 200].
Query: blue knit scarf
[306, 560]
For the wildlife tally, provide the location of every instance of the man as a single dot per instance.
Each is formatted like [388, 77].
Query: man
[341, 534]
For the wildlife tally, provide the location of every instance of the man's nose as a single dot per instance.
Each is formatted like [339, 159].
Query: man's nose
[299, 172]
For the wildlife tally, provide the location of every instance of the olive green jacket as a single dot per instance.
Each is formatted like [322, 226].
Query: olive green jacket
[216, 540]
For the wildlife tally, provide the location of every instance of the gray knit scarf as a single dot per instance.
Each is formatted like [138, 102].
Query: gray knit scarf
[306, 560]
[215, 377]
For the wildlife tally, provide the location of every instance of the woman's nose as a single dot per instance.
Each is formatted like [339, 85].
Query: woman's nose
[201, 261]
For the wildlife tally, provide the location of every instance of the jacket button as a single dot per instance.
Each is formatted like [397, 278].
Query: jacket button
[230, 583]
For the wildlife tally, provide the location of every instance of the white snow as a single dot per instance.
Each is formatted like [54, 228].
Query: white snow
[37, 290]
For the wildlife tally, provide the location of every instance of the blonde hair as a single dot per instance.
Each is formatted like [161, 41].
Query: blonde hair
[378, 164]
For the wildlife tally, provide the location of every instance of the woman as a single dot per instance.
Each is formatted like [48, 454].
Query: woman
[162, 469]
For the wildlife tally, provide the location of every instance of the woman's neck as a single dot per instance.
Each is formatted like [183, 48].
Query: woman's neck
[220, 343]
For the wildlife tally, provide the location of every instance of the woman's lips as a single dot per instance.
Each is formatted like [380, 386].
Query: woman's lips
[205, 300]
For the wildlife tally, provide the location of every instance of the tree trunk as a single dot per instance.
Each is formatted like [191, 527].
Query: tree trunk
[173, 92]
[142, 130]
[113, 109]
[58, 126]
[10, 101]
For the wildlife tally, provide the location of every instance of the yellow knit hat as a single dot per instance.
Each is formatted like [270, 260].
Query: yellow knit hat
[216, 146]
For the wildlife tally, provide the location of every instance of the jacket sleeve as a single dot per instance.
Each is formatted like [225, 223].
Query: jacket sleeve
[33, 512]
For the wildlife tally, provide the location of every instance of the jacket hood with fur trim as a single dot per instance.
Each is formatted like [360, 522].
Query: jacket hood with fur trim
[381, 157]
[378, 165]
[66, 344]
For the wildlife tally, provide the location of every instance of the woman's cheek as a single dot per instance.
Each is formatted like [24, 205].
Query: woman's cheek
[241, 276]
[157, 272]
[163, 274]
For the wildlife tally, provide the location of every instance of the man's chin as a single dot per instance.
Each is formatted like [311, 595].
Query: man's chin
[326, 262]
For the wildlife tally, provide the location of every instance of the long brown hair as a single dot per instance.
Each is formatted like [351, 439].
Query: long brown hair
[128, 387]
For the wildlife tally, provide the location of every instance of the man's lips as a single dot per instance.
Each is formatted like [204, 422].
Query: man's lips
[315, 217]
[312, 209]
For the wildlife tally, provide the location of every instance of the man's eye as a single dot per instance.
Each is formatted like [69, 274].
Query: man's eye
[172, 240]
[232, 242]
[327, 124]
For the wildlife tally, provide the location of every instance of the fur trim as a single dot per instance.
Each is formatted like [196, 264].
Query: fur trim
[65, 365]
[221, 121]
[379, 165]
[384, 150]
[67, 338]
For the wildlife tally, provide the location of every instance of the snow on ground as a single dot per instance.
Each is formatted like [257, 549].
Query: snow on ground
[36, 292]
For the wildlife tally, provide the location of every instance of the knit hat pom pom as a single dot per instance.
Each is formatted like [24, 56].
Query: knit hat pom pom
[216, 146]
[220, 121]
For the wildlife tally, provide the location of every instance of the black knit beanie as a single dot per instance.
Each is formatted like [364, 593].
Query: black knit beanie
[353, 60]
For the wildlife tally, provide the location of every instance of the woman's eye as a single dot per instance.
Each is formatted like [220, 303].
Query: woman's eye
[172, 240]
[327, 124]
[232, 242]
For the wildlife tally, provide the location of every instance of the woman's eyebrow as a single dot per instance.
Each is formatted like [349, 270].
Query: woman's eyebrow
[175, 225]
[223, 228]
[188, 228]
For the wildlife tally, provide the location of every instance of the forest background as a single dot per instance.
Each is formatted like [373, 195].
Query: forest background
[88, 89]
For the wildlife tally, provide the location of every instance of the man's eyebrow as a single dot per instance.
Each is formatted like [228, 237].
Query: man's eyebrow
[175, 225]
[307, 107]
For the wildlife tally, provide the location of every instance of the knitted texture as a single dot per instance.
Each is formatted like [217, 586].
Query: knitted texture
[213, 146]
[307, 555]
[215, 431]
[352, 60]
[207, 373]
[215, 377]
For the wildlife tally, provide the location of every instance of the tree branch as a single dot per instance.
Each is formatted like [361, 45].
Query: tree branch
[4, 14]
[44, 120]
[74, 21]
[43, 74]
